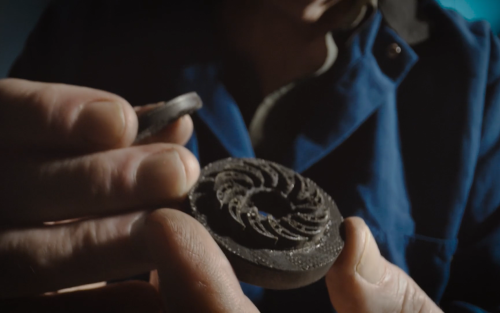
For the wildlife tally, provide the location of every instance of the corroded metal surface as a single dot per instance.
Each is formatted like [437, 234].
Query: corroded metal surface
[278, 229]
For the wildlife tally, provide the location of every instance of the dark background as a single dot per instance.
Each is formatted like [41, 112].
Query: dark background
[18, 17]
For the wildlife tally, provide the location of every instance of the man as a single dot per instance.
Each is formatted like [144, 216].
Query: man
[404, 136]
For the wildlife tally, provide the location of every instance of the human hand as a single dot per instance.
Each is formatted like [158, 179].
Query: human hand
[361, 280]
[67, 153]
[199, 278]
[195, 276]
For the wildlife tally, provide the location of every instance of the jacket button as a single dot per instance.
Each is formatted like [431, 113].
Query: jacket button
[393, 51]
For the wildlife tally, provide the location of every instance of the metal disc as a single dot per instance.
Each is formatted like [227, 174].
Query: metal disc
[278, 229]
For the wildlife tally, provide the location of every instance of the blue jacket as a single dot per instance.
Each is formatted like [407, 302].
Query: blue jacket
[411, 144]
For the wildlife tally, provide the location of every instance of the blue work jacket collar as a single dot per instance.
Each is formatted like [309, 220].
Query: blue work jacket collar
[375, 61]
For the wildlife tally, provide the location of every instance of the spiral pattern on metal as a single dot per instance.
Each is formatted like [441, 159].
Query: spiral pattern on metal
[261, 204]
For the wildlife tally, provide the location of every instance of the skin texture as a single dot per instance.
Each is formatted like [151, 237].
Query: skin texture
[361, 280]
[45, 179]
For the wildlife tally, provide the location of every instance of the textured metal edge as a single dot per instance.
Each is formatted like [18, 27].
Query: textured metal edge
[155, 120]
[265, 268]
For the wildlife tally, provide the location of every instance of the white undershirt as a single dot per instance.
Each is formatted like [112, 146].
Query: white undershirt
[256, 128]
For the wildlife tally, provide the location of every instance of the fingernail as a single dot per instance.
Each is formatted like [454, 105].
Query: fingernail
[101, 122]
[371, 265]
[162, 176]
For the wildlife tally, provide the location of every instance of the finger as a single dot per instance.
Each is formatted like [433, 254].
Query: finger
[194, 274]
[155, 118]
[154, 280]
[361, 280]
[98, 184]
[43, 259]
[133, 297]
[54, 116]
[79, 288]
[178, 132]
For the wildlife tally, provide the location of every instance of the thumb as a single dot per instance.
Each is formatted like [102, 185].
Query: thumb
[194, 274]
[362, 280]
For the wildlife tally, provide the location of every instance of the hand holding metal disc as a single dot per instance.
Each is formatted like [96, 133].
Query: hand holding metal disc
[278, 229]
[166, 113]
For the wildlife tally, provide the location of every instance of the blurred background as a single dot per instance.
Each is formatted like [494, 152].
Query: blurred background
[18, 17]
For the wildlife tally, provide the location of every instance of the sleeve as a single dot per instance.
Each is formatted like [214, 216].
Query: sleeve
[474, 284]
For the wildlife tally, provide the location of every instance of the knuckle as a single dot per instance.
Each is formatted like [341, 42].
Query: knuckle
[99, 174]
[43, 99]
[108, 178]
[399, 292]
[55, 106]
[84, 237]
[43, 103]
[178, 231]
[45, 248]
[420, 300]
[413, 298]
